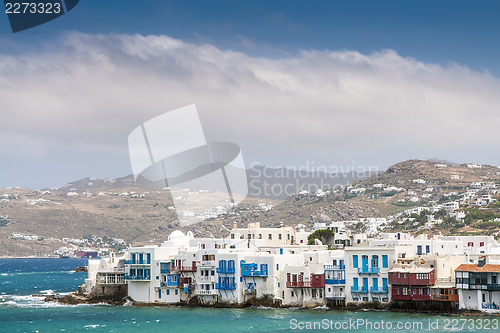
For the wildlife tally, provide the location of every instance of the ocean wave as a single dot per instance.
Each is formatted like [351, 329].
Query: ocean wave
[47, 292]
[32, 301]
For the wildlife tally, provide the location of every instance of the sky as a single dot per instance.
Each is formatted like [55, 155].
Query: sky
[335, 84]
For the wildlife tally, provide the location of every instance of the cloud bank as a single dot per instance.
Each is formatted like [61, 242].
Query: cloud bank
[84, 94]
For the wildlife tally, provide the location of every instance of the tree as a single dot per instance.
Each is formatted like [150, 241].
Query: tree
[323, 235]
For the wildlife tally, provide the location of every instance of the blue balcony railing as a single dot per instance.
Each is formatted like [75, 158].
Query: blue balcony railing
[493, 287]
[137, 277]
[225, 285]
[335, 281]
[137, 262]
[358, 289]
[261, 273]
[164, 271]
[334, 267]
[377, 290]
[225, 270]
[368, 270]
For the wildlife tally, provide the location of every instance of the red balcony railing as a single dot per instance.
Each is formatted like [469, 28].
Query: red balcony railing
[183, 268]
[298, 284]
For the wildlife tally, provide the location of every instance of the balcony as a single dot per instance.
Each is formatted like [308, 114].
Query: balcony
[358, 289]
[368, 270]
[205, 279]
[137, 277]
[225, 270]
[206, 292]
[377, 290]
[206, 263]
[335, 281]
[263, 273]
[164, 271]
[441, 297]
[137, 262]
[334, 267]
[335, 296]
[493, 287]
[298, 284]
[184, 268]
[224, 285]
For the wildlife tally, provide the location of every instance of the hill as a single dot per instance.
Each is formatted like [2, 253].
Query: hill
[120, 209]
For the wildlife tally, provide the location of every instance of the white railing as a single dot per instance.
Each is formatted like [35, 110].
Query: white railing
[206, 292]
[205, 279]
[207, 263]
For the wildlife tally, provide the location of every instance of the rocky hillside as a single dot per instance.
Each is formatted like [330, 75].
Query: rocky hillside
[120, 209]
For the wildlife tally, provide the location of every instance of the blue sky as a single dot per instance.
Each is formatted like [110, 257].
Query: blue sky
[432, 31]
[435, 49]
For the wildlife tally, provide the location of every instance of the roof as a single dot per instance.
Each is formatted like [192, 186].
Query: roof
[474, 268]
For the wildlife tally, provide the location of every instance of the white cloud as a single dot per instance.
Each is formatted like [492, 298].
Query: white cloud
[89, 91]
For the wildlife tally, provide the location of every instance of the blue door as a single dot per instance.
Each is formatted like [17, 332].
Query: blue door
[375, 284]
[355, 283]
[365, 284]
[385, 284]
[365, 263]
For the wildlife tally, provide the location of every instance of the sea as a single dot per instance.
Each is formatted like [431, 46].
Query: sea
[23, 282]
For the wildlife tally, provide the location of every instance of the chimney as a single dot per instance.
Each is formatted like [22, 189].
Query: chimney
[481, 262]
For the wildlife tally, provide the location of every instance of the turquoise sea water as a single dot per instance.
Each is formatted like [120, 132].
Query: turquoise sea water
[21, 312]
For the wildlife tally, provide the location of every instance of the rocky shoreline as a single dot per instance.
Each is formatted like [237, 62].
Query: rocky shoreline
[118, 298]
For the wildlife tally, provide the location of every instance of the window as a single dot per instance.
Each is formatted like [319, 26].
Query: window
[168, 291]
[277, 267]
[355, 261]
[176, 292]
[470, 244]
[281, 251]
[270, 236]
[481, 244]
[375, 261]
[385, 261]
[279, 236]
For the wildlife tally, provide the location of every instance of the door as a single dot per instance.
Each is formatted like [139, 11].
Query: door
[365, 284]
[364, 263]
[375, 284]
